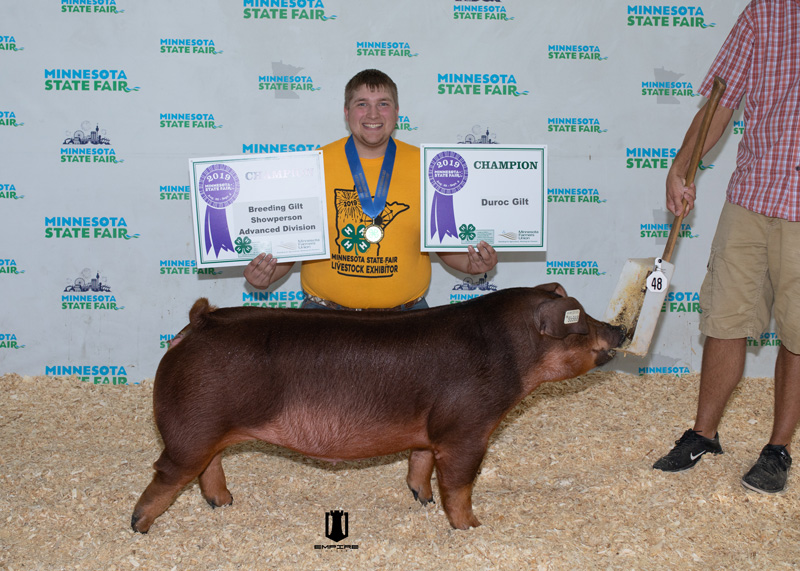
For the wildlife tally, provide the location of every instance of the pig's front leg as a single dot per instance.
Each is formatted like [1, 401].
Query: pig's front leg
[456, 469]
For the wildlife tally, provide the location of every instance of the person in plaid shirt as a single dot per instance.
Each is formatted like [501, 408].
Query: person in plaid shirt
[754, 266]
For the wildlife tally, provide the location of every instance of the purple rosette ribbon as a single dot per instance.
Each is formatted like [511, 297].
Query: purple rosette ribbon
[447, 174]
[218, 235]
[443, 217]
[219, 187]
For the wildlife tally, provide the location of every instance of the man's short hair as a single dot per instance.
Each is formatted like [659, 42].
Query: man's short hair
[372, 78]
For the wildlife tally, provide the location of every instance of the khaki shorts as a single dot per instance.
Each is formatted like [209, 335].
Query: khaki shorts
[754, 268]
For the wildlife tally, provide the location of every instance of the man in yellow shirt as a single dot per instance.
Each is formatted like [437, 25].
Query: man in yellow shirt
[376, 262]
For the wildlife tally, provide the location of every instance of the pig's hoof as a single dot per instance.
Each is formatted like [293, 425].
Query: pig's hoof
[215, 505]
[134, 520]
[420, 499]
[466, 524]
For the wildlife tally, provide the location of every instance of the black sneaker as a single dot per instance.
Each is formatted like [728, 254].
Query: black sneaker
[770, 472]
[687, 452]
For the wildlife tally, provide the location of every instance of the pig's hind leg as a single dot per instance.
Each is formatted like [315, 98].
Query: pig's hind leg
[213, 485]
[420, 469]
[169, 479]
[175, 468]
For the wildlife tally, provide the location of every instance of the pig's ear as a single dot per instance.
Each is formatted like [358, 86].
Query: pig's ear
[561, 317]
[553, 287]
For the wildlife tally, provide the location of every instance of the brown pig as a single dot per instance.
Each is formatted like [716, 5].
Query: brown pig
[343, 385]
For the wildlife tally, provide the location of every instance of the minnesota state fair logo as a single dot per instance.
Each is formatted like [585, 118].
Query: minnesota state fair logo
[573, 268]
[9, 192]
[470, 287]
[8, 267]
[9, 119]
[478, 84]
[665, 88]
[165, 339]
[90, 6]
[766, 339]
[575, 51]
[9, 44]
[682, 302]
[667, 16]
[189, 46]
[654, 158]
[574, 125]
[649, 157]
[89, 292]
[652, 230]
[184, 268]
[291, 299]
[188, 121]
[100, 80]
[384, 49]
[255, 148]
[87, 227]
[286, 10]
[480, 10]
[404, 124]
[573, 195]
[286, 81]
[180, 192]
[10, 341]
[97, 374]
[668, 370]
[88, 145]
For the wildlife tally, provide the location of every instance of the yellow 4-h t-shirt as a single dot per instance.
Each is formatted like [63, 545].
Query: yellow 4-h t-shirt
[360, 274]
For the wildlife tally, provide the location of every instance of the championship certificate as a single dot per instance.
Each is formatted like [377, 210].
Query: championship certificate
[494, 193]
[248, 204]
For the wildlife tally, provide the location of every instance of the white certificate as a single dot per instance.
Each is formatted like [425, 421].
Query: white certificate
[248, 204]
[494, 193]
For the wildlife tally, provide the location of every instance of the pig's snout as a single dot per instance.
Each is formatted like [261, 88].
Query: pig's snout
[623, 334]
[612, 337]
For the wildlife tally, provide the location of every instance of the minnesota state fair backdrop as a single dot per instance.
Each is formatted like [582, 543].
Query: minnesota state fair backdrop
[104, 101]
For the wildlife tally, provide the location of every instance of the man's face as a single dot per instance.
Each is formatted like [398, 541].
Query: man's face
[371, 116]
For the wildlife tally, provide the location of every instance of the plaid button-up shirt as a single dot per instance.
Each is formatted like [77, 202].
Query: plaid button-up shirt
[760, 60]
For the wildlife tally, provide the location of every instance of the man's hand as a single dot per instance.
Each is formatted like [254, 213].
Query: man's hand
[677, 192]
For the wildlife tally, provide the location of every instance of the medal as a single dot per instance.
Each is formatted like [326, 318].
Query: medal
[373, 234]
[371, 207]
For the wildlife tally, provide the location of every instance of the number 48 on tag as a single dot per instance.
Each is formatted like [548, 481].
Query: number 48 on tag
[657, 281]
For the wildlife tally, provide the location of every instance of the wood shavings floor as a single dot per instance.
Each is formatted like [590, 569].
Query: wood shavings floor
[567, 484]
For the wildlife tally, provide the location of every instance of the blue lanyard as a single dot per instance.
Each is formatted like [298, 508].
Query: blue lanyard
[371, 208]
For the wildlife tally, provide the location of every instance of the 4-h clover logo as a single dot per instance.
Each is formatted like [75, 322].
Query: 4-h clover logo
[354, 240]
[243, 245]
[466, 232]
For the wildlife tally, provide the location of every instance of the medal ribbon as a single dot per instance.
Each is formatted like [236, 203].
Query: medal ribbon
[371, 207]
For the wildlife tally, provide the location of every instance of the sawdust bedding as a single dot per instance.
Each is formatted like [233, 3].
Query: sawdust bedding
[567, 484]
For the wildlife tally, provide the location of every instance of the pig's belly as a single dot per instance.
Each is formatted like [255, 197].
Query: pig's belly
[334, 436]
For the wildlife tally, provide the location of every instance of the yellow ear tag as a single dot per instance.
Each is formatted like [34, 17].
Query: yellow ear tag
[572, 316]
